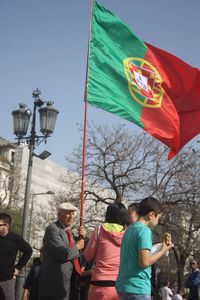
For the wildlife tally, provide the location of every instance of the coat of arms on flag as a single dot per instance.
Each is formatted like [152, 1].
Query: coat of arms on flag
[144, 82]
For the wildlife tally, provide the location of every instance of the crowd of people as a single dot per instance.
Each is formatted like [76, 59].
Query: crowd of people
[114, 263]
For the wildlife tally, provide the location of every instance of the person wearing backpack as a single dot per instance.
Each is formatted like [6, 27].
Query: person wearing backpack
[103, 249]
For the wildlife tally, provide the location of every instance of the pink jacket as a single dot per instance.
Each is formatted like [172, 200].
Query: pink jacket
[104, 248]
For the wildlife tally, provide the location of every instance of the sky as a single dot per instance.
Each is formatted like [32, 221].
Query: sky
[44, 45]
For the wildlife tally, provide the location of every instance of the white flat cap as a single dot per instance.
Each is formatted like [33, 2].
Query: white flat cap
[67, 206]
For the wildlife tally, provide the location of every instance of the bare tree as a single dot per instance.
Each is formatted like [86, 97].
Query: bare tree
[116, 161]
[116, 168]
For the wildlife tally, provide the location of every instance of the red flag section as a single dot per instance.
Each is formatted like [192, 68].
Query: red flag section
[181, 99]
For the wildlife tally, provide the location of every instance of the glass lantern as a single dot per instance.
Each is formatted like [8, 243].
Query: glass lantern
[48, 116]
[21, 119]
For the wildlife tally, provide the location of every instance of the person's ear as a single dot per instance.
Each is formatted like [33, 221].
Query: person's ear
[151, 215]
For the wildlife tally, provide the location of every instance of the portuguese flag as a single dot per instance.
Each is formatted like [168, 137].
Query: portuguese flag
[141, 83]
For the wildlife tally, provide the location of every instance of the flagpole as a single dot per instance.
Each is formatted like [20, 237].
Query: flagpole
[85, 122]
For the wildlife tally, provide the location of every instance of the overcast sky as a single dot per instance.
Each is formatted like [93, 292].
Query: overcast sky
[44, 45]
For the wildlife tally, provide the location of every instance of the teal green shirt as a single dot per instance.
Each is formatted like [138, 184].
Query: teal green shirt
[132, 278]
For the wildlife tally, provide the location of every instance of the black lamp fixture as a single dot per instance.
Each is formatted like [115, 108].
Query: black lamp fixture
[48, 117]
[22, 116]
[21, 119]
[43, 155]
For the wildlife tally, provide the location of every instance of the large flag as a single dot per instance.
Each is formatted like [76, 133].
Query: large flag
[141, 83]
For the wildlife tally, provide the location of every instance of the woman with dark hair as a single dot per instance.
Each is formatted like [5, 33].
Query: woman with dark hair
[103, 249]
[30, 285]
[31, 282]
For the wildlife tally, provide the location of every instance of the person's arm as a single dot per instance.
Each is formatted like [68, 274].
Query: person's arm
[170, 293]
[193, 280]
[29, 281]
[85, 273]
[56, 246]
[90, 250]
[16, 272]
[188, 282]
[82, 232]
[197, 279]
[147, 259]
[26, 294]
[26, 250]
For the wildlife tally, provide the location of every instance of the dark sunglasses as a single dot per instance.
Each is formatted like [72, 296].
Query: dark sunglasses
[193, 263]
[3, 225]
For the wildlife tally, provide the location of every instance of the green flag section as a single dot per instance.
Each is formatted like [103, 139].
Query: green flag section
[141, 83]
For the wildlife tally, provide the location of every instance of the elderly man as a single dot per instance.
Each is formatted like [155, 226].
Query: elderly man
[60, 253]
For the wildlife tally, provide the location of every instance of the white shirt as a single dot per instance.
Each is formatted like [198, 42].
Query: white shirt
[166, 293]
[177, 297]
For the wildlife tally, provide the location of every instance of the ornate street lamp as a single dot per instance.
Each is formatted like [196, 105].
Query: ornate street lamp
[21, 121]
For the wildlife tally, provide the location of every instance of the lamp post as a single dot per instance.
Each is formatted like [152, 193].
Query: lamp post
[31, 210]
[21, 120]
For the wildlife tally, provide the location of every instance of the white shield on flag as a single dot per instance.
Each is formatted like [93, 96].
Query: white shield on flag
[142, 81]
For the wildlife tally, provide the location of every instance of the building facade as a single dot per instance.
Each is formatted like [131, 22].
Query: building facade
[7, 151]
[46, 183]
